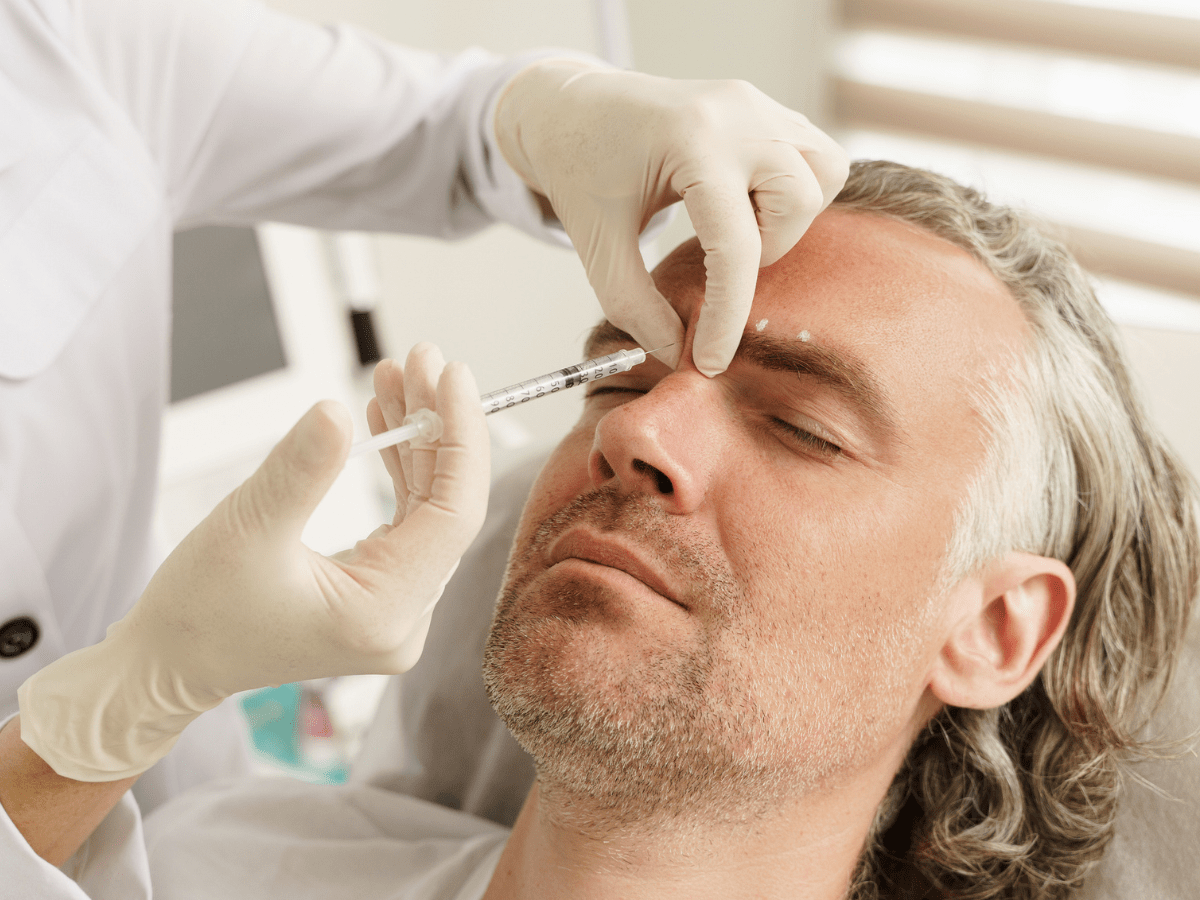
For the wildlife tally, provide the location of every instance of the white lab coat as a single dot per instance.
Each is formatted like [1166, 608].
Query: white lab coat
[120, 121]
[267, 839]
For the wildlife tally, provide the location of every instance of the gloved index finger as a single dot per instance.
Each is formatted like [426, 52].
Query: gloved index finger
[635, 305]
[723, 217]
[607, 242]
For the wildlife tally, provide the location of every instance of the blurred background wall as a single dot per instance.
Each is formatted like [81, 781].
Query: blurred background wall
[1086, 112]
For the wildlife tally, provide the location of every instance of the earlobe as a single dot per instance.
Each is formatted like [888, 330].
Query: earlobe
[1008, 620]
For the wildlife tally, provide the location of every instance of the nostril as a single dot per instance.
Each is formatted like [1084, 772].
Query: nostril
[661, 480]
[606, 471]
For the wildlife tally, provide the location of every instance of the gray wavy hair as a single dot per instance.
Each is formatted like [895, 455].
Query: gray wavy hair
[1019, 802]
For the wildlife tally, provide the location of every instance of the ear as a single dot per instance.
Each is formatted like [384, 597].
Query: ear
[1005, 623]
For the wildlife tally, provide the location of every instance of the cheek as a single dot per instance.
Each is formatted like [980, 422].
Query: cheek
[841, 620]
[840, 574]
[563, 478]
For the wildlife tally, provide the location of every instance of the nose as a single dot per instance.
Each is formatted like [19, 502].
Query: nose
[665, 443]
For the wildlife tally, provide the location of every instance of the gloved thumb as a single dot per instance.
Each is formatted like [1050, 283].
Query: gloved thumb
[281, 495]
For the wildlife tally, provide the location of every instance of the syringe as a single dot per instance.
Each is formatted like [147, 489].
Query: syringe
[427, 425]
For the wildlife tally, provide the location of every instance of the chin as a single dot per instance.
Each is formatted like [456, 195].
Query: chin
[630, 733]
[566, 646]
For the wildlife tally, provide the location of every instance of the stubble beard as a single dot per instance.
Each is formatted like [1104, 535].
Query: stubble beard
[677, 737]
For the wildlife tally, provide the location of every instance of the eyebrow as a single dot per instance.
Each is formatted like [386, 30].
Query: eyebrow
[843, 374]
[604, 335]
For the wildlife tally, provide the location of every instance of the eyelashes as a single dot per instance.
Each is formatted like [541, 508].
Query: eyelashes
[808, 439]
[612, 389]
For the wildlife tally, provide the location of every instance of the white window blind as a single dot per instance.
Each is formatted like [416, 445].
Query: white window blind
[1086, 112]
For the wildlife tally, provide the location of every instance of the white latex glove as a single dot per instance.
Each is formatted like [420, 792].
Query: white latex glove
[241, 603]
[610, 148]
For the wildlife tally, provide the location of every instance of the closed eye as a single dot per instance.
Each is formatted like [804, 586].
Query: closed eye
[612, 389]
[808, 439]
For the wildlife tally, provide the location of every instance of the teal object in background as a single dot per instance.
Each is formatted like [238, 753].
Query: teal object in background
[290, 731]
[273, 715]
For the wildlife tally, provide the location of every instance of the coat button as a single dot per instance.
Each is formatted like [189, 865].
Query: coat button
[17, 636]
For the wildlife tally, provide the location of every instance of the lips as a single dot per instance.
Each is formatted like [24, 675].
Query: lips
[606, 550]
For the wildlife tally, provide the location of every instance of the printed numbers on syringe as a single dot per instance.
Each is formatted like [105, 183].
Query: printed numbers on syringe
[569, 377]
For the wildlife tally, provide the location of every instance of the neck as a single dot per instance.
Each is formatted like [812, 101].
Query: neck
[805, 852]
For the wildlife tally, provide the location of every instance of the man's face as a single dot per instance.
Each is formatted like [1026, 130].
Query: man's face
[722, 590]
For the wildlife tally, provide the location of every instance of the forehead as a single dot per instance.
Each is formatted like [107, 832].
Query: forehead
[920, 313]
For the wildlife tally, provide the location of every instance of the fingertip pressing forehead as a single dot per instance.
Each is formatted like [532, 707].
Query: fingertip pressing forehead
[681, 276]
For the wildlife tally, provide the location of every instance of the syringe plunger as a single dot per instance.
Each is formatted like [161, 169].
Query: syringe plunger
[424, 424]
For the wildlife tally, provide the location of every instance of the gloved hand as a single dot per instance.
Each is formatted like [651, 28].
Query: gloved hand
[610, 148]
[241, 603]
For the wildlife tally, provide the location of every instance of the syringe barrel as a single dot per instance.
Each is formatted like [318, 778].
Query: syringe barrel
[552, 382]
[427, 425]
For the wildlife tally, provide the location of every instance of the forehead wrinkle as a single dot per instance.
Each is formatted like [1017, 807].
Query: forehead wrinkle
[844, 374]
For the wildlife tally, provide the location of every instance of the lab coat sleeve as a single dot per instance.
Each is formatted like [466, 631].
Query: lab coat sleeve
[111, 864]
[248, 114]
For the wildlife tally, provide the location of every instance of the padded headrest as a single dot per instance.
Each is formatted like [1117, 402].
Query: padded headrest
[1154, 855]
